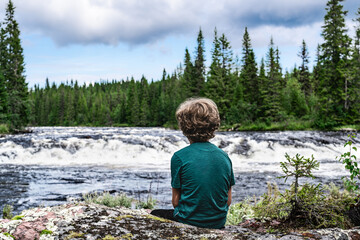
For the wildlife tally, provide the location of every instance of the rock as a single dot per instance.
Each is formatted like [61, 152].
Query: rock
[90, 221]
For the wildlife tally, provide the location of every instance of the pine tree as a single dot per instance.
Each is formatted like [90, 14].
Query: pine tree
[214, 80]
[263, 91]
[3, 92]
[187, 77]
[220, 80]
[354, 89]
[198, 77]
[13, 71]
[248, 75]
[317, 72]
[144, 106]
[271, 86]
[304, 74]
[334, 57]
[3, 99]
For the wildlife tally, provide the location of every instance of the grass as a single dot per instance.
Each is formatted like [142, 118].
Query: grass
[320, 207]
[291, 125]
[119, 200]
[239, 212]
[274, 126]
[4, 129]
[149, 204]
[7, 212]
[348, 127]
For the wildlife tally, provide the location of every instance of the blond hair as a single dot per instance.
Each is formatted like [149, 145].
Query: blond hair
[198, 119]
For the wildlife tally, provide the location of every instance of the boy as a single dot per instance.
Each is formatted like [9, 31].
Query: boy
[201, 173]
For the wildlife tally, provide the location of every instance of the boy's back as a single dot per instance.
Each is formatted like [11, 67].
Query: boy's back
[204, 174]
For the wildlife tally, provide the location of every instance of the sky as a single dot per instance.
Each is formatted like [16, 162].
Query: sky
[97, 40]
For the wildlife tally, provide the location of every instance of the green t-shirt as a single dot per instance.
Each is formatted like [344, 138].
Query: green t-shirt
[204, 174]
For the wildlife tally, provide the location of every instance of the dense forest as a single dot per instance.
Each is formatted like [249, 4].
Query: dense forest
[249, 94]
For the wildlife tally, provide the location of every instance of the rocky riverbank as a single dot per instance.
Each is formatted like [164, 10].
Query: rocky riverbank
[90, 221]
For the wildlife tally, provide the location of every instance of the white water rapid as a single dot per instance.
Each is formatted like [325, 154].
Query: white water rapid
[152, 148]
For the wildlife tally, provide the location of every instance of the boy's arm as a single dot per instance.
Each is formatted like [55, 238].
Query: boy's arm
[176, 192]
[229, 197]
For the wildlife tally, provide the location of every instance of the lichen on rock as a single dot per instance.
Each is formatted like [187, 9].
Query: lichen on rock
[91, 221]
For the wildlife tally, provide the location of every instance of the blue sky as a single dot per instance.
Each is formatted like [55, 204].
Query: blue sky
[93, 40]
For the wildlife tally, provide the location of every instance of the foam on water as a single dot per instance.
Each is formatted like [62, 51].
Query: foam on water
[152, 148]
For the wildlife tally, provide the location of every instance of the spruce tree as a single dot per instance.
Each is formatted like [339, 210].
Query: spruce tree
[3, 92]
[271, 86]
[248, 75]
[263, 91]
[304, 74]
[317, 74]
[221, 82]
[214, 80]
[354, 90]
[3, 98]
[334, 58]
[187, 77]
[198, 77]
[13, 71]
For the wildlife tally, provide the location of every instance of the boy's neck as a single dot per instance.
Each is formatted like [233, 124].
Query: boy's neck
[191, 141]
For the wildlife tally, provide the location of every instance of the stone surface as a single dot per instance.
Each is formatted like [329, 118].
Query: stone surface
[90, 221]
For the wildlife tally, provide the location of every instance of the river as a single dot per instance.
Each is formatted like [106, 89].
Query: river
[52, 164]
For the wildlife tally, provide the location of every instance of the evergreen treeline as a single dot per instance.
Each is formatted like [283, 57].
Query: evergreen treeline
[247, 92]
[14, 110]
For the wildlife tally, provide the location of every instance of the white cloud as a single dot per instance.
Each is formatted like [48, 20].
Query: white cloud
[135, 21]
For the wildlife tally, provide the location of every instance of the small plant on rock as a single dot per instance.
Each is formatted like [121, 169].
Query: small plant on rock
[350, 161]
[148, 204]
[119, 200]
[239, 212]
[298, 167]
[7, 212]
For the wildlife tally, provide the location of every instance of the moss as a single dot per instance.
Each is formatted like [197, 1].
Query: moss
[119, 218]
[174, 238]
[45, 231]
[18, 217]
[127, 236]
[75, 235]
[9, 235]
[109, 237]
[157, 218]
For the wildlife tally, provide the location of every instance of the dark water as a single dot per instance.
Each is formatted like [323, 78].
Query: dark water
[32, 186]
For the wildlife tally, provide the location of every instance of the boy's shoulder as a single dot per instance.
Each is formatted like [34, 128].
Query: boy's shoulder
[203, 147]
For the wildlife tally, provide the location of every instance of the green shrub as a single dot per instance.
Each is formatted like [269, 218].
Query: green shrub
[120, 200]
[300, 206]
[317, 207]
[273, 204]
[149, 204]
[350, 161]
[7, 212]
[239, 212]
[46, 232]
[4, 129]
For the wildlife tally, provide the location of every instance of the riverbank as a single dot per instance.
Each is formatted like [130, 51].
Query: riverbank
[91, 221]
[285, 126]
[275, 126]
